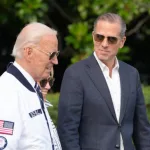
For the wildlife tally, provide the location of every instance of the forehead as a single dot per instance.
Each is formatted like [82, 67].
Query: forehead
[49, 42]
[108, 28]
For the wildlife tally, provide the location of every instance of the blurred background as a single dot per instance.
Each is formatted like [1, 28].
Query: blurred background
[73, 19]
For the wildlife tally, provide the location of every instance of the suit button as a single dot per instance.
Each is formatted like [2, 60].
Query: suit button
[117, 146]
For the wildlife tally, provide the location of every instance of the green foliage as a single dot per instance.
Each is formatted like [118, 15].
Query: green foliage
[79, 31]
[123, 53]
[53, 98]
[80, 37]
[5, 10]
[146, 91]
[29, 11]
[83, 16]
[25, 10]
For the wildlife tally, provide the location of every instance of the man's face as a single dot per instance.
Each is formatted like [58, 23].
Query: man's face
[41, 62]
[107, 41]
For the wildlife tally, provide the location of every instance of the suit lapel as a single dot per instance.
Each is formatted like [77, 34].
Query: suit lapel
[124, 83]
[97, 77]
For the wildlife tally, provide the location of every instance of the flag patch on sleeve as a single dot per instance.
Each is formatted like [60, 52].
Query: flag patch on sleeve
[6, 127]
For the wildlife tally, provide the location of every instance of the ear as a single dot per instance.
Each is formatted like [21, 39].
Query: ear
[93, 36]
[28, 53]
[122, 42]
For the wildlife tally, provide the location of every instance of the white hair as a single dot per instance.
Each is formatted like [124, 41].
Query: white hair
[29, 35]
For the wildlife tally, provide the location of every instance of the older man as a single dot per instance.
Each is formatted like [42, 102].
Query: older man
[24, 120]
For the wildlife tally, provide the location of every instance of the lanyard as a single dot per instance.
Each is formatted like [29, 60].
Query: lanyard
[39, 94]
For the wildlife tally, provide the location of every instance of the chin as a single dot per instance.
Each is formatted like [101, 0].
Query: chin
[102, 58]
[46, 75]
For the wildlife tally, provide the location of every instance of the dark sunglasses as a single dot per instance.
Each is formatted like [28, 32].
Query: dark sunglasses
[51, 54]
[45, 81]
[110, 39]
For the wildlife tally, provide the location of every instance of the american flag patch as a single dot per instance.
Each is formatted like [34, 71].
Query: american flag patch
[6, 127]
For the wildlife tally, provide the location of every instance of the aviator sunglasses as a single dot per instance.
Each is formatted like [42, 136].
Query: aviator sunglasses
[45, 81]
[51, 54]
[111, 40]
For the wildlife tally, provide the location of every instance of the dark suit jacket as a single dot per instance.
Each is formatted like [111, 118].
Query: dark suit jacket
[87, 120]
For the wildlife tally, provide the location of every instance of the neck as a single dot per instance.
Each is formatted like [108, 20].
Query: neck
[110, 66]
[24, 65]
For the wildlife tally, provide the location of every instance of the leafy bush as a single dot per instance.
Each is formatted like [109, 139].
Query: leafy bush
[53, 98]
[84, 15]
[146, 91]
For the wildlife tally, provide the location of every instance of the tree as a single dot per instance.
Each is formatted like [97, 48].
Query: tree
[78, 16]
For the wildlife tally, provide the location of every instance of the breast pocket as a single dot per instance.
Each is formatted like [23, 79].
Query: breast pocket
[37, 121]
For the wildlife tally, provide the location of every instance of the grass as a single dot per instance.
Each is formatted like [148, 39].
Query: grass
[53, 98]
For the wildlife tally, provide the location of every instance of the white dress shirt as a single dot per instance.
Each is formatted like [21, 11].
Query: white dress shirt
[114, 87]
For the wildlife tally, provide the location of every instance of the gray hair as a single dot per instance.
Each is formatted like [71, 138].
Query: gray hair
[52, 73]
[29, 35]
[112, 18]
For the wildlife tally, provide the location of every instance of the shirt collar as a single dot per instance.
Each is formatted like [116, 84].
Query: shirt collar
[103, 66]
[25, 73]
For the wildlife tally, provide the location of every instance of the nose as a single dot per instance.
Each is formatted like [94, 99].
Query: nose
[48, 86]
[104, 42]
[55, 60]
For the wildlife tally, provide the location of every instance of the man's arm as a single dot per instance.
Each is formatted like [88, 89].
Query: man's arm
[141, 134]
[10, 120]
[69, 111]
